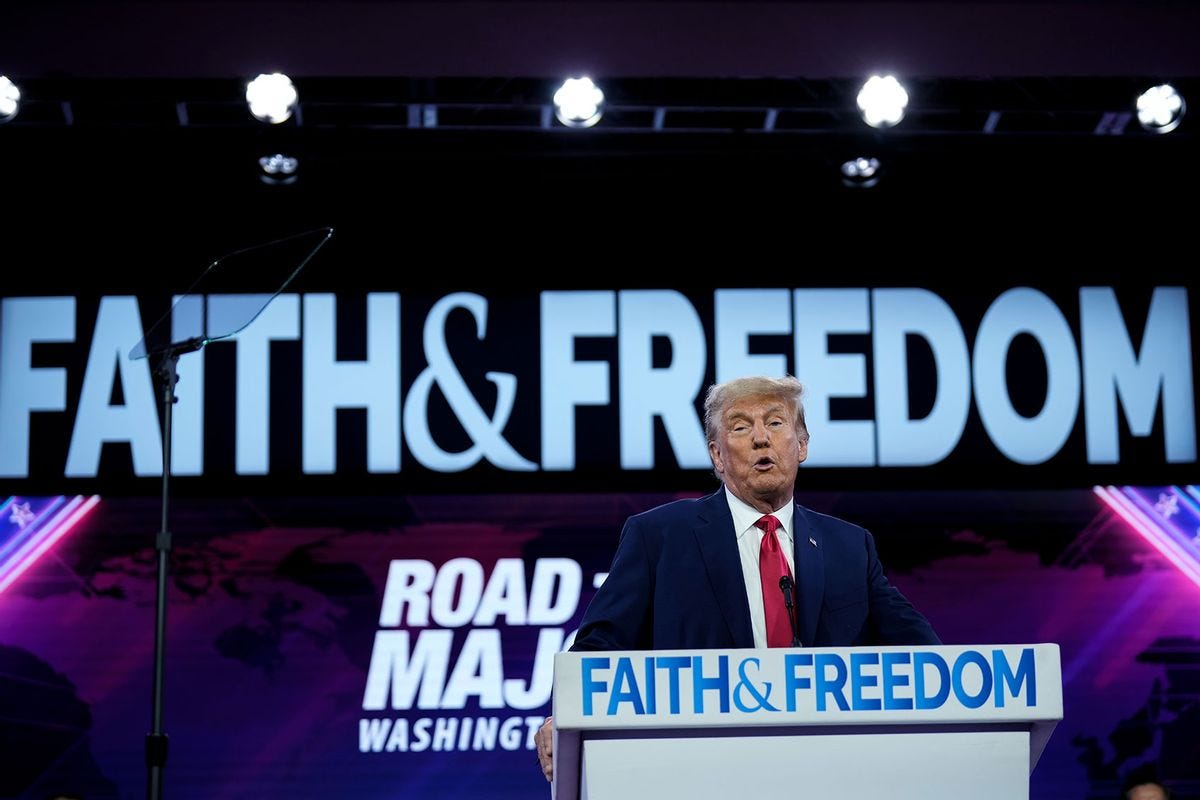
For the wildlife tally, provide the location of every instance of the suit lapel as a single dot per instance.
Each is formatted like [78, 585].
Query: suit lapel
[810, 573]
[718, 546]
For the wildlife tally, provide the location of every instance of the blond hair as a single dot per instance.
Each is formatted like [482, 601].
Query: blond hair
[722, 395]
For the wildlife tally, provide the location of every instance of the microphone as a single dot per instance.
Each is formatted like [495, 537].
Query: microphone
[789, 588]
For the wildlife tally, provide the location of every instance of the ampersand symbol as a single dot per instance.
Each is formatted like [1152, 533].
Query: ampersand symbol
[747, 684]
[485, 431]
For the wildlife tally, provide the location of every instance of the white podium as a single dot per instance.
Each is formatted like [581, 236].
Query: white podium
[903, 723]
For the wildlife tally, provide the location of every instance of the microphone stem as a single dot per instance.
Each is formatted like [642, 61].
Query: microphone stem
[787, 587]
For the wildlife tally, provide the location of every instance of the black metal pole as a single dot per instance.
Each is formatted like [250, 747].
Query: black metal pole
[156, 740]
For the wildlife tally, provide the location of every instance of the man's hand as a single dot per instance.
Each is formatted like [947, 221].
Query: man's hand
[544, 739]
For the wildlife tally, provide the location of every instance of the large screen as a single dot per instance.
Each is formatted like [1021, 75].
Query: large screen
[401, 646]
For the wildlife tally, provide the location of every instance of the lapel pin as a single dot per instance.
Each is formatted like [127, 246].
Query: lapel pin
[812, 541]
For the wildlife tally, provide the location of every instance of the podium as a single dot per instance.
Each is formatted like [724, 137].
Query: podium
[903, 723]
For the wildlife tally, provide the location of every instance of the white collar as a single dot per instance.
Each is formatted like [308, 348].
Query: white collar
[745, 515]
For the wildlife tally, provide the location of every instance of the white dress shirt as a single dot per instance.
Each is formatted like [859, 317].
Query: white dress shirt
[749, 539]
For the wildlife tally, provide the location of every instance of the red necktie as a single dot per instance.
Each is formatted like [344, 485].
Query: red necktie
[772, 565]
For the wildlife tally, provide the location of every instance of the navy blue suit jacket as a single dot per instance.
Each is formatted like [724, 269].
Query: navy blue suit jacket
[676, 583]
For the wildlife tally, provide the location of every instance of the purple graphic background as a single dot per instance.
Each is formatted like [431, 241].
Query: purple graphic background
[275, 603]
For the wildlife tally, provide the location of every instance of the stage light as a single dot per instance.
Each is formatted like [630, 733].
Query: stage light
[278, 169]
[578, 103]
[882, 101]
[271, 97]
[861, 172]
[1160, 108]
[10, 99]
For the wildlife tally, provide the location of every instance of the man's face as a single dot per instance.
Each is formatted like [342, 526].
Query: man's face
[758, 451]
[1147, 791]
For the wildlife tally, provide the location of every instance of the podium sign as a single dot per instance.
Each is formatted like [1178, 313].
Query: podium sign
[920, 722]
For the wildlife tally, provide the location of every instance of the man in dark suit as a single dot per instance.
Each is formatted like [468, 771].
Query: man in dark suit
[716, 572]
